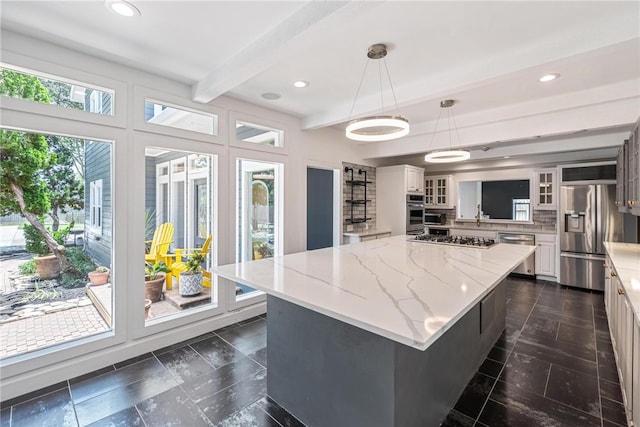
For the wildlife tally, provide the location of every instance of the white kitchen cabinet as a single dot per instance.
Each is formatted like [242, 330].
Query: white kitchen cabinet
[438, 192]
[392, 183]
[414, 178]
[623, 327]
[628, 173]
[545, 189]
[607, 289]
[546, 255]
[633, 176]
[635, 407]
[622, 177]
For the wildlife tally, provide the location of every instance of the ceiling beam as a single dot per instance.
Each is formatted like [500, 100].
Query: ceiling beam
[277, 44]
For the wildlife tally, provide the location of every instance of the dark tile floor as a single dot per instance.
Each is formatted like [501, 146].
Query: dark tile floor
[553, 366]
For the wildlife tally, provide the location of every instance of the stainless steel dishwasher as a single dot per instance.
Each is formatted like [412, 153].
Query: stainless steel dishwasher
[528, 266]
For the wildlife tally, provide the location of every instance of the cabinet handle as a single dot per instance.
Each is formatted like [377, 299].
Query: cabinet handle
[604, 264]
[614, 274]
[632, 202]
[606, 277]
[617, 202]
[620, 291]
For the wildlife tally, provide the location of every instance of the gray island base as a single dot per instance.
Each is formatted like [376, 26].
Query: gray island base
[330, 373]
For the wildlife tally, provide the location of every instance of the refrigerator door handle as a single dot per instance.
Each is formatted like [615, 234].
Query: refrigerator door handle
[582, 256]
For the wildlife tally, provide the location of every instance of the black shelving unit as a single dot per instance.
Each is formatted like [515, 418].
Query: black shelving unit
[353, 201]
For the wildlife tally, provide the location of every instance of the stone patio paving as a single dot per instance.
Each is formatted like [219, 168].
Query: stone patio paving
[33, 326]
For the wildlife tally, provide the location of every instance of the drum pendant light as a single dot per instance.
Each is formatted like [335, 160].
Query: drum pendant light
[382, 127]
[450, 155]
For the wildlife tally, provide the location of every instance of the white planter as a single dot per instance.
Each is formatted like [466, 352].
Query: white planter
[190, 283]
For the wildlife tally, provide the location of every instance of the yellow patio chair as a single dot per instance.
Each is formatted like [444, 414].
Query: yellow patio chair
[178, 265]
[162, 238]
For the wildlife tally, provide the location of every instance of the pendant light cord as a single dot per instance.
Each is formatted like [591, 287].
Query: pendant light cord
[359, 86]
[393, 92]
[433, 135]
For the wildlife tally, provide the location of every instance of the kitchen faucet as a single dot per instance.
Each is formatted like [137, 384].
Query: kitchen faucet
[478, 217]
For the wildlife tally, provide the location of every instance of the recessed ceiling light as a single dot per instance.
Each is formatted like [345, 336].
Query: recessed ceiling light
[548, 77]
[271, 96]
[301, 83]
[122, 8]
[506, 157]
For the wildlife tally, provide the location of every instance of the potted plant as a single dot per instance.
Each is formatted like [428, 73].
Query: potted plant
[47, 264]
[99, 276]
[153, 280]
[190, 282]
[265, 250]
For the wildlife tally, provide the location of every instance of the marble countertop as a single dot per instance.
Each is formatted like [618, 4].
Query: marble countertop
[409, 292]
[371, 232]
[626, 261]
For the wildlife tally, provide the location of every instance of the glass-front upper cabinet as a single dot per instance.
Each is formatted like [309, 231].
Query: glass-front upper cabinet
[545, 189]
[437, 191]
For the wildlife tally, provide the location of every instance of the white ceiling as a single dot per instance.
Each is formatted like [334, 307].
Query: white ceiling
[485, 55]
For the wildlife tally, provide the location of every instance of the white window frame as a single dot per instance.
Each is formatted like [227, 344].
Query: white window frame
[95, 102]
[95, 207]
[258, 123]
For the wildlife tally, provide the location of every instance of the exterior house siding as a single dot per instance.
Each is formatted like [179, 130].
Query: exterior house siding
[98, 166]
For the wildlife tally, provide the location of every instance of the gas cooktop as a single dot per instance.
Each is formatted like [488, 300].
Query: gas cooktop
[476, 242]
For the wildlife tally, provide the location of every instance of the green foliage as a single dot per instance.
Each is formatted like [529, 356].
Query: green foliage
[83, 263]
[65, 188]
[193, 263]
[80, 260]
[28, 268]
[34, 242]
[151, 270]
[265, 250]
[41, 293]
[149, 223]
[18, 85]
[23, 156]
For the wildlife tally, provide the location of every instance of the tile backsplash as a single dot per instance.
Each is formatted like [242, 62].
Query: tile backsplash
[358, 194]
[542, 221]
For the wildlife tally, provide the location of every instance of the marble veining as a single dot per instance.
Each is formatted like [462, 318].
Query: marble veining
[405, 291]
[626, 261]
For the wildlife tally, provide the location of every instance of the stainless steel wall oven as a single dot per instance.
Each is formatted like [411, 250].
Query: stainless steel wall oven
[415, 214]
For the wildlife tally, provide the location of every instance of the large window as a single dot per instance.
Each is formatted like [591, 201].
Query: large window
[65, 184]
[180, 118]
[49, 90]
[258, 134]
[259, 213]
[179, 224]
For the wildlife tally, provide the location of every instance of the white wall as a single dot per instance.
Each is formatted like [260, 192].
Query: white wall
[322, 148]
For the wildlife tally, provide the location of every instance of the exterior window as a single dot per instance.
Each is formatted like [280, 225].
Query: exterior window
[259, 216]
[95, 206]
[260, 135]
[180, 222]
[75, 96]
[180, 118]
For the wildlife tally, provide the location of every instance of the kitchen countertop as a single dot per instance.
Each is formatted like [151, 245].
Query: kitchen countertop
[409, 292]
[371, 232]
[626, 261]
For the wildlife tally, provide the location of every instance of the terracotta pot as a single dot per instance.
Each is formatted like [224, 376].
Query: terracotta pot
[147, 308]
[47, 267]
[190, 284]
[98, 277]
[153, 288]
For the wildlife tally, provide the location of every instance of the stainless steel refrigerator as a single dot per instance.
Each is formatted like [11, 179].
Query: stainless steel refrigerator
[588, 217]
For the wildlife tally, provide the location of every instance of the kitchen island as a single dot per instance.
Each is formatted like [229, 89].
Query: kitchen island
[385, 332]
